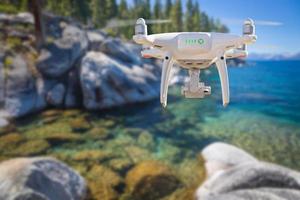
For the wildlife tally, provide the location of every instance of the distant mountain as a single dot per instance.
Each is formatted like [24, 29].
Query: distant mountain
[287, 56]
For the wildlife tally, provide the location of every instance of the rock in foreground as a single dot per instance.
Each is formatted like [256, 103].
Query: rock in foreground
[236, 175]
[40, 179]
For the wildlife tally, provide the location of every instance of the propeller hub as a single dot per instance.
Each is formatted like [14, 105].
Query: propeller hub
[140, 27]
[249, 28]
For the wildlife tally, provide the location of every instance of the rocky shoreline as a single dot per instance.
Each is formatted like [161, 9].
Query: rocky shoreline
[227, 173]
[77, 67]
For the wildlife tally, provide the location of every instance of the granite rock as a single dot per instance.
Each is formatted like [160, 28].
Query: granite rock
[40, 179]
[107, 82]
[58, 57]
[239, 176]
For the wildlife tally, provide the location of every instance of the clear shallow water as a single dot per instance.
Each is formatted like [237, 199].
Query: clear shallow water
[262, 118]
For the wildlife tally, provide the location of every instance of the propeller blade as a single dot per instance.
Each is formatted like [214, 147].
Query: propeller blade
[256, 22]
[115, 23]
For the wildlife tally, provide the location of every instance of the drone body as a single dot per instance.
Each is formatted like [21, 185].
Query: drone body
[194, 51]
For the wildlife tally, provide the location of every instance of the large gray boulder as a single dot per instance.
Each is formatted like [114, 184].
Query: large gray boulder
[107, 82]
[220, 156]
[40, 179]
[24, 92]
[58, 57]
[239, 176]
[117, 49]
[20, 91]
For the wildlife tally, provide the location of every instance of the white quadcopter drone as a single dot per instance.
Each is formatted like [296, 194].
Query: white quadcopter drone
[194, 51]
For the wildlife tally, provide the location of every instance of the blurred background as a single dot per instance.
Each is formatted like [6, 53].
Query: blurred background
[74, 86]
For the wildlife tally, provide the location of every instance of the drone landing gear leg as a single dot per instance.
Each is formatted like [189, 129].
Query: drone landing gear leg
[165, 78]
[223, 74]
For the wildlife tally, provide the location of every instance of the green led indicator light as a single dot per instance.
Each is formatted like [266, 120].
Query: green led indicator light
[194, 41]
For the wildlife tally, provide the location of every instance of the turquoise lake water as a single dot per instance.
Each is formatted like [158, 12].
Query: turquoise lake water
[262, 118]
[263, 115]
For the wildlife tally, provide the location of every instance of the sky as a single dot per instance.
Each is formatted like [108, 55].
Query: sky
[284, 38]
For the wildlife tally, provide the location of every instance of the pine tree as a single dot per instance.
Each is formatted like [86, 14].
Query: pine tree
[188, 18]
[167, 13]
[123, 14]
[205, 23]
[212, 25]
[111, 9]
[168, 8]
[196, 17]
[123, 10]
[98, 12]
[24, 5]
[80, 10]
[176, 16]
[157, 13]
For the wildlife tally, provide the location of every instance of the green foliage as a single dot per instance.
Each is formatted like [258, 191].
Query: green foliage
[158, 14]
[176, 16]
[189, 16]
[8, 8]
[196, 17]
[111, 8]
[24, 5]
[14, 42]
[99, 12]
[81, 10]
[8, 62]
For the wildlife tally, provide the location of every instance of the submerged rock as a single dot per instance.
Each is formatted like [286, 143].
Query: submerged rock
[238, 175]
[40, 178]
[99, 133]
[102, 183]
[91, 155]
[146, 140]
[136, 153]
[31, 148]
[151, 180]
[120, 164]
[80, 124]
[9, 142]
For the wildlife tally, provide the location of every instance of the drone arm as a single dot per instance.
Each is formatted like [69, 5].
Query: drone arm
[236, 53]
[223, 74]
[165, 78]
[152, 53]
